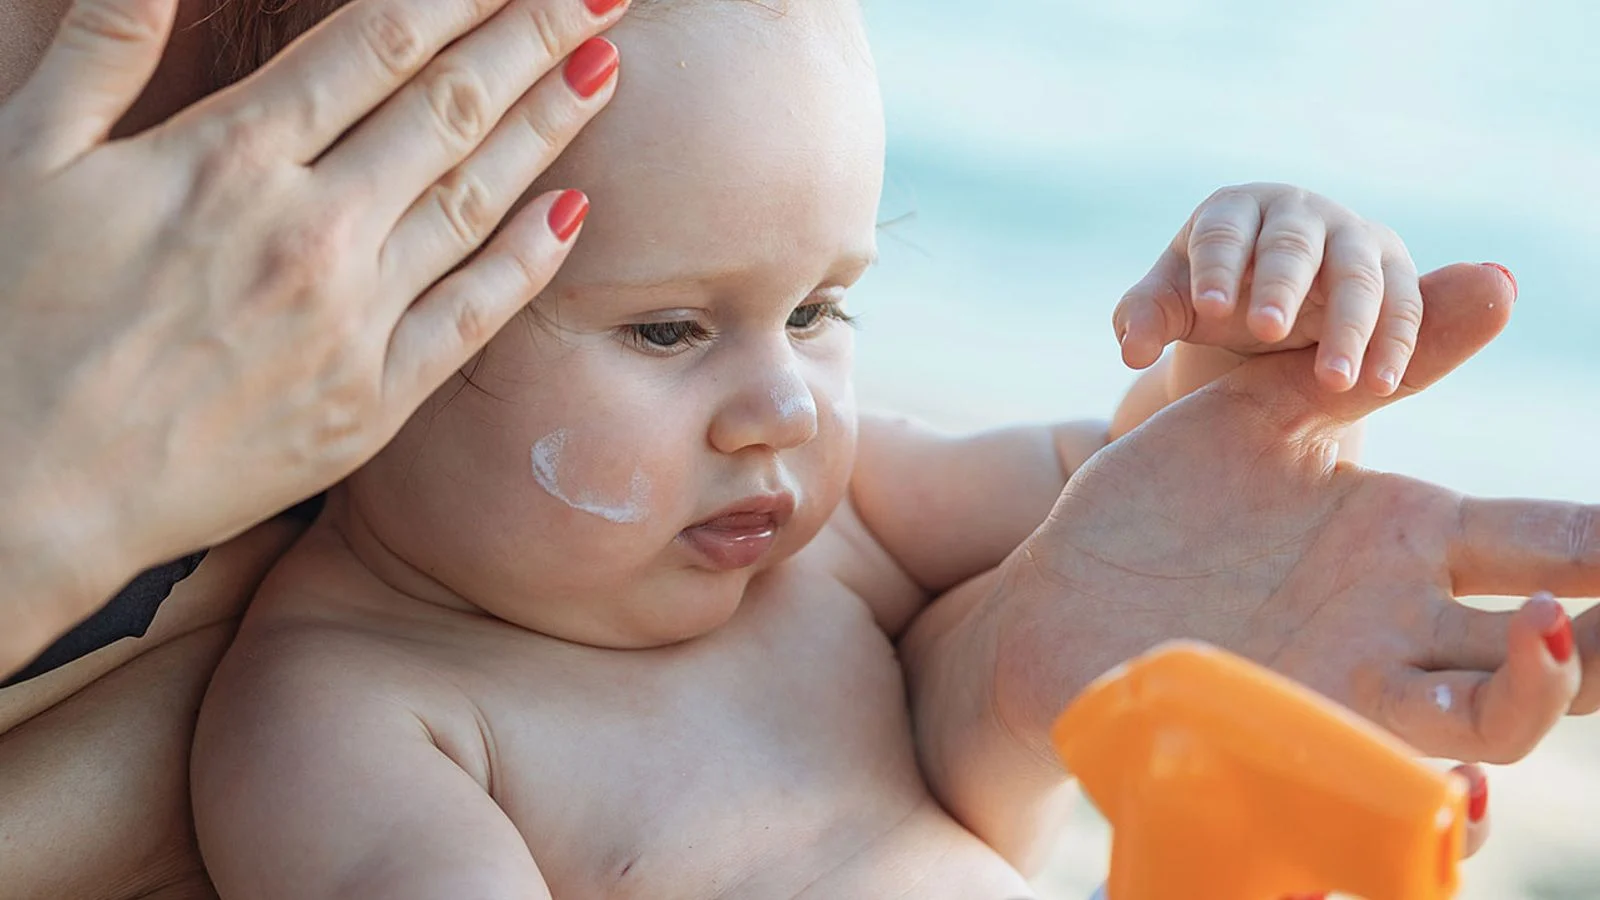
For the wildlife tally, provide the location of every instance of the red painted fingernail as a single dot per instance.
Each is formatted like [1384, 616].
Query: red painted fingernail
[1509, 277]
[1477, 798]
[591, 66]
[601, 7]
[1558, 638]
[568, 212]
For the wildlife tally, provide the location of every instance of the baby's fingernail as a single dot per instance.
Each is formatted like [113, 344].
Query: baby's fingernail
[1558, 638]
[1390, 378]
[1341, 366]
[1212, 297]
[1509, 277]
[1271, 315]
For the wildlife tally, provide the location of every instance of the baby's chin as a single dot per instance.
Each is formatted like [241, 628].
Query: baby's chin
[657, 613]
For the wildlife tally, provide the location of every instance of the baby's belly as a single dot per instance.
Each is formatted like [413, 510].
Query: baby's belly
[919, 855]
[927, 855]
[775, 761]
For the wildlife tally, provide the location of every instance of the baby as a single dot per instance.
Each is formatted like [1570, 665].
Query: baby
[617, 612]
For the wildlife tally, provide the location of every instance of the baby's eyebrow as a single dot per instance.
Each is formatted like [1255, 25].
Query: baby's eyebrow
[852, 264]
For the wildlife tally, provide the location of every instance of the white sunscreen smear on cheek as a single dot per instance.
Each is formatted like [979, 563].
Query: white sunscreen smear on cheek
[793, 401]
[547, 472]
[1442, 698]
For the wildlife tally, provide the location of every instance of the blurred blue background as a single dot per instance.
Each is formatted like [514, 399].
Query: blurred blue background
[1043, 152]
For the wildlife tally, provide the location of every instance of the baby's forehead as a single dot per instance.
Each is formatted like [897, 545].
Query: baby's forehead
[740, 132]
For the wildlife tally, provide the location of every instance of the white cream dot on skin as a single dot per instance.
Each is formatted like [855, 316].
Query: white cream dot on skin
[1442, 698]
[630, 510]
[792, 402]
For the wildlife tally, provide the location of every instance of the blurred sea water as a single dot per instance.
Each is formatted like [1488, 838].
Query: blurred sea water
[1043, 152]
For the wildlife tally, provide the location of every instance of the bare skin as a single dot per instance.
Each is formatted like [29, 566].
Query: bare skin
[477, 679]
[94, 756]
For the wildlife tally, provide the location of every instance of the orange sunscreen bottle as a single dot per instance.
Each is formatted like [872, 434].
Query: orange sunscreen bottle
[1225, 781]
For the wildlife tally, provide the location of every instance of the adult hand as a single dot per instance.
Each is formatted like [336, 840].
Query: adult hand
[1226, 519]
[206, 322]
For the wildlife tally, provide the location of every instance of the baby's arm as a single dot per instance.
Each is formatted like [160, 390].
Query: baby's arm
[312, 779]
[949, 507]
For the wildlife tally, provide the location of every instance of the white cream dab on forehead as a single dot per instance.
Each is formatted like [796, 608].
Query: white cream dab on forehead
[547, 472]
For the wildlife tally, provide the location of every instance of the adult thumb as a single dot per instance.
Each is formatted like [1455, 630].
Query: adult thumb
[1464, 307]
[102, 57]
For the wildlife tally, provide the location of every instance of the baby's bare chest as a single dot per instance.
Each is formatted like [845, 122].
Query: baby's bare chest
[770, 759]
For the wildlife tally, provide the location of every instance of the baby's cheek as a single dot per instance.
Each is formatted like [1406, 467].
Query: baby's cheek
[593, 475]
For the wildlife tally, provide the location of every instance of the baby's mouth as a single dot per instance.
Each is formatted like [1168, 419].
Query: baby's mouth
[740, 535]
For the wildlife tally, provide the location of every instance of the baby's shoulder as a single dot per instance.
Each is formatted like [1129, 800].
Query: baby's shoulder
[848, 551]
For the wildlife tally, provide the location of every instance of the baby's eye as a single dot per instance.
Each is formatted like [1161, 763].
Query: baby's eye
[812, 314]
[658, 336]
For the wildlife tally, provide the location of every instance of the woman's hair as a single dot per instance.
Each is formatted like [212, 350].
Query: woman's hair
[246, 33]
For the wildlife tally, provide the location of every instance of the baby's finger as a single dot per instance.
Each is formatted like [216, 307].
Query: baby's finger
[1398, 323]
[1152, 314]
[1288, 256]
[1222, 236]
[1500, 716]
[1353, 276]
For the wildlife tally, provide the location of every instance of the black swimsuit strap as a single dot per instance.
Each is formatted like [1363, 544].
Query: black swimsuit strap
[129, 614]
[131, 611]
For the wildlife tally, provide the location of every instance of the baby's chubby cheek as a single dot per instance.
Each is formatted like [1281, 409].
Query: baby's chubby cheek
[584, 473]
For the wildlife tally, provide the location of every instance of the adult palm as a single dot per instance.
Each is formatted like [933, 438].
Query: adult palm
[1226, 519]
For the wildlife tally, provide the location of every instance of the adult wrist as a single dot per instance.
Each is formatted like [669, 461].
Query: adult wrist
[58, 563]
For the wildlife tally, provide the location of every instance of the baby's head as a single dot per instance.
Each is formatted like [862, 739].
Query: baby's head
[675, 414]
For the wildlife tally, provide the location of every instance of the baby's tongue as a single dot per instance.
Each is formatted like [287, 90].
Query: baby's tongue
[739, 522]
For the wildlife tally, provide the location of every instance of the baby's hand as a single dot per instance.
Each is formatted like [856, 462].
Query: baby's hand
[1267, 267]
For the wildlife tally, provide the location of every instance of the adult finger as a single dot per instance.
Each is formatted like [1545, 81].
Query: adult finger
[1288, 255]
[1399, 322]
[340, 71]
[1461, 637]
[1499, 716]
[447, 111]
[1468, 305]
[459, 315]
[1467, 638]
[1221, 239]
[1476, 782]
[1353, 275]
[1511, 547]
[103, 55]
[460, 212]
[1587, 631]
[1152, 314]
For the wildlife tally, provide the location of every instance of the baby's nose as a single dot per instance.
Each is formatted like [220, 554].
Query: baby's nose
[781, 414]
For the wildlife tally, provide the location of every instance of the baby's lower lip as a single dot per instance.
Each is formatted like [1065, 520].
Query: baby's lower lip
[732, 542]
